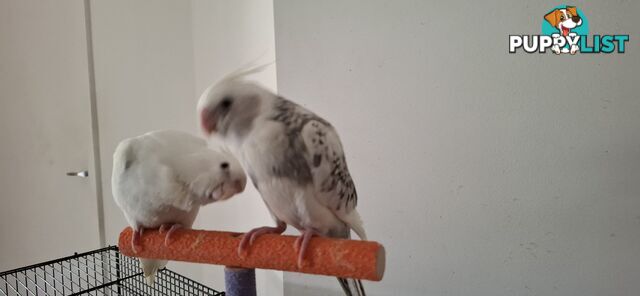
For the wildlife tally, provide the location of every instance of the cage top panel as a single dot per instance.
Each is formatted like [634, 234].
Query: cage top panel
[100, 272]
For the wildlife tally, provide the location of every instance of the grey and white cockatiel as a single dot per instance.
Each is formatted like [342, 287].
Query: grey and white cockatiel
[161, 179]
[294, 158]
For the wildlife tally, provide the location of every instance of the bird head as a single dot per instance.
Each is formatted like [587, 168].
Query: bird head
[231, 178]
[230, 106]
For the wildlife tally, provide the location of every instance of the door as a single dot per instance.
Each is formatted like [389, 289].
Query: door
[45, 132]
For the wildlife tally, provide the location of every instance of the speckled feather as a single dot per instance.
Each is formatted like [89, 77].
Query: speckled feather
[315, 155]
[293, 156]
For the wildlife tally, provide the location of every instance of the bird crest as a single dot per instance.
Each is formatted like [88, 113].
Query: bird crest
[245, 70]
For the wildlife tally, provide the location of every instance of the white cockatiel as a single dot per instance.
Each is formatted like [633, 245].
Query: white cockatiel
[294, 158]
[161, 179]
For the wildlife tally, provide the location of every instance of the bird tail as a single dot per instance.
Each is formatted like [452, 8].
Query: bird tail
[354, 222]
[150, 268]
[352, 287]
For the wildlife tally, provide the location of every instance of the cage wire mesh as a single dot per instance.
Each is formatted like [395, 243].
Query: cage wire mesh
[100, 272]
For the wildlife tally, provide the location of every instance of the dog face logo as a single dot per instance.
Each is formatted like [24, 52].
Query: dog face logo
[565, 23]
[565, 30]
[564, 19]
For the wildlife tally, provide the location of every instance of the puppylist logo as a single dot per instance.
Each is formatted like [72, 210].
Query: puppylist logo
[565, 30]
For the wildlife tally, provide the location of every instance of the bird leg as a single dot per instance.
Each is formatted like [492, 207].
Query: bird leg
[253, 234]
[170, 229]
[135, 238]
[302, 242]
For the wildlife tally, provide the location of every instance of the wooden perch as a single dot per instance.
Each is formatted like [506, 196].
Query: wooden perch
[326, 256]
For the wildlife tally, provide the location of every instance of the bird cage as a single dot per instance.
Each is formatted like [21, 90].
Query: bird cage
[100, 272]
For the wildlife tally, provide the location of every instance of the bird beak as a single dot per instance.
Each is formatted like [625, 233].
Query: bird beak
[239, 185]
[208, 122]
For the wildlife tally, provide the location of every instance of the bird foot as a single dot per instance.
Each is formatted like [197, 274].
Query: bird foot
[302, 242]
[135, 239]
[253, 234]
[170, 229]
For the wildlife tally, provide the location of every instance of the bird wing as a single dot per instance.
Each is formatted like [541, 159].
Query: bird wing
[314, 155]
[138, 176]
[328, 166]
[331, 178]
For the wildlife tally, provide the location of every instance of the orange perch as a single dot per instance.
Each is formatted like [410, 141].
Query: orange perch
[326, 256]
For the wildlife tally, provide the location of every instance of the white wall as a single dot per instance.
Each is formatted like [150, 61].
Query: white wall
[226, 35]
[152, 61]
[143, 55]
[482, 173]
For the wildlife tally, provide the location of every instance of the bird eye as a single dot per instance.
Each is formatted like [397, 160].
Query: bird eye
[224, 165]
[226, 102]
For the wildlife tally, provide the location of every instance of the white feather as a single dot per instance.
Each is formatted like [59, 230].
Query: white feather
[163, 177]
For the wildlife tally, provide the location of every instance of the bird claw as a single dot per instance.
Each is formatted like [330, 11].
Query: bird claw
[135, 239]
[302, 243]
[164, 228]
[253, 234]
[170, 229]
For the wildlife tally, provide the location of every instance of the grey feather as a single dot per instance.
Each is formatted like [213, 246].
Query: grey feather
[294, 165]
[295, 159]
[352, 287]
